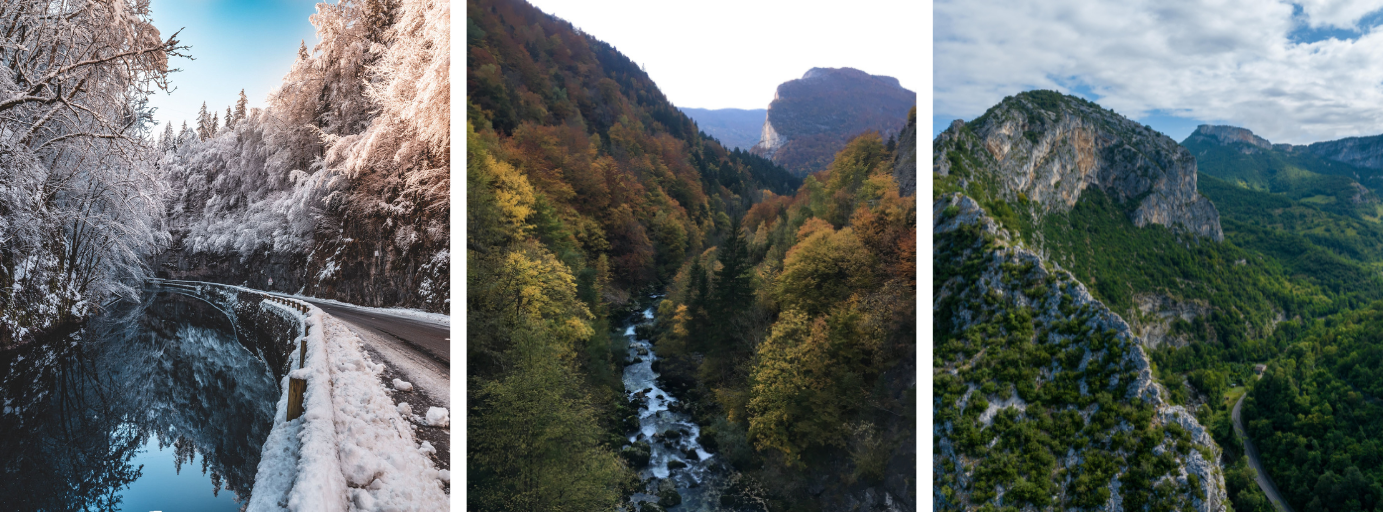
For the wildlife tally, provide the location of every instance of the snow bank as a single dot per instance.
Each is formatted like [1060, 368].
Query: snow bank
[418, 314]
[351, 449]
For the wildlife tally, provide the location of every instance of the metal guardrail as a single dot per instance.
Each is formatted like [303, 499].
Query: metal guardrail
[297, 388]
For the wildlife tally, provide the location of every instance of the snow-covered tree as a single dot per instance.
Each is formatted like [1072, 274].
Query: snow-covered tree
[80, 202]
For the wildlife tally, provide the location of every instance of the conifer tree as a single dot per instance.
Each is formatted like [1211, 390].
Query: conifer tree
[230, 119]
[166, 141]
[241, 105]
[734, 286]
[203, 123]
[215, 125]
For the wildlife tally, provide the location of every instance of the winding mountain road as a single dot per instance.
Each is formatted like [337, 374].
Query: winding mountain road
[1260, 475]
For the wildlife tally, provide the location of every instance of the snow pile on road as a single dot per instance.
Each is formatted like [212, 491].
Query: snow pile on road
[351, 449]
[402, 385]
[438, 417]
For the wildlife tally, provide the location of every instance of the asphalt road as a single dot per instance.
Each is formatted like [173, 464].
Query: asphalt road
[1261, 476]
[423, 338]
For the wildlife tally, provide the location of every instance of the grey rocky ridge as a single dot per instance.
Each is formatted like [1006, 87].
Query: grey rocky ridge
[1042, 150]
[1043, 398]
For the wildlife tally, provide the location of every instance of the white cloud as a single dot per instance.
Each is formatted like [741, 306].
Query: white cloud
[1224, 61]
[1337, 13]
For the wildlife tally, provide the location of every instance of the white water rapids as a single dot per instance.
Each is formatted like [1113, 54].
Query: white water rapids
[672, 436]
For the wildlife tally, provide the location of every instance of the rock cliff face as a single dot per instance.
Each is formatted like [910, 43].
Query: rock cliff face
[1044, 398]
[905, 157]
[812, 118]
[1047, 148]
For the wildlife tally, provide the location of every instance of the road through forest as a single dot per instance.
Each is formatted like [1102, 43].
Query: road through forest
[1260, 475]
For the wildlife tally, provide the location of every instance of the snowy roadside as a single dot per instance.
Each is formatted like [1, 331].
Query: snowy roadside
[426, 316]
[353, 448]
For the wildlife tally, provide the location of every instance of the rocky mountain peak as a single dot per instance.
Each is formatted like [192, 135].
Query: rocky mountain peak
[814, 116]
[1223, 134]
[1048, 148]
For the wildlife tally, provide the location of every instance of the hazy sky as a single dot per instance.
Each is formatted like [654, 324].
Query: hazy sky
[1298, 72]
[734, 53]
[237, 44]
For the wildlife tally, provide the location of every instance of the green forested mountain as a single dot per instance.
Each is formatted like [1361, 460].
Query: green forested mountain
[1243, 159]
[1315, 413]
[785, 325]
[1294, 277]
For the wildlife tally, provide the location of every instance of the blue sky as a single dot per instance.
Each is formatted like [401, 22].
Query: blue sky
[237, 44]
[1292, 71]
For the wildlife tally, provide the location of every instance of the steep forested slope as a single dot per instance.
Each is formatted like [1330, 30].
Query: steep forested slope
[794, 341]
[339, 188]
[587, 191]
[1043, 397]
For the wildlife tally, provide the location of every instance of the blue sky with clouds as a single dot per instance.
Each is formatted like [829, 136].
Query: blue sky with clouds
[237, 44]
[1292, 71]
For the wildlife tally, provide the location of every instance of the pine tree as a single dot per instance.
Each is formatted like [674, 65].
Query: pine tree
[203, 123]
[302, 51]
[230, 119]
[734, 286]
[166, 141]
[215, 125]
[241, 105]
[698, 297]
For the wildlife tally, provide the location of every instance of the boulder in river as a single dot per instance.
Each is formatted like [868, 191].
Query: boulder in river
[669, 497]
[637, 454]
[676, 464]
[649, 506]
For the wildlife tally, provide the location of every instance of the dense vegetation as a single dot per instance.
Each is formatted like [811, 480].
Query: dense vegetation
[339, 188]
[1316, 414]
[1028, 373]
[797, 333]
[588, 191]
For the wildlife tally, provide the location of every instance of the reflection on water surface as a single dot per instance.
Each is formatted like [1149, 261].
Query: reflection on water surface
[155, 405]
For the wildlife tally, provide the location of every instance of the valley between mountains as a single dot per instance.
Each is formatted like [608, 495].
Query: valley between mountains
[1105, 296]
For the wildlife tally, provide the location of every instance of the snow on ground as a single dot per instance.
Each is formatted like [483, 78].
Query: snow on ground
[351, 449]
[426, 316]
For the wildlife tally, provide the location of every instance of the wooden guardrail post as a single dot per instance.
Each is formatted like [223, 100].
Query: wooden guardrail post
[296, 388]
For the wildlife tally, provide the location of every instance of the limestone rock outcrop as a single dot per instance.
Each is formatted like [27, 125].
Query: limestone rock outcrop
[997, 303]
[1048, 148]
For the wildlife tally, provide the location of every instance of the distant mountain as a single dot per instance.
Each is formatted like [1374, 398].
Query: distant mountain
[735, 128]
[1241, 158]
[1361, 151]
[812, 118]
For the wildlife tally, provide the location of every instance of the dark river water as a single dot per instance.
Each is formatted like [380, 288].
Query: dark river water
[154, 405]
